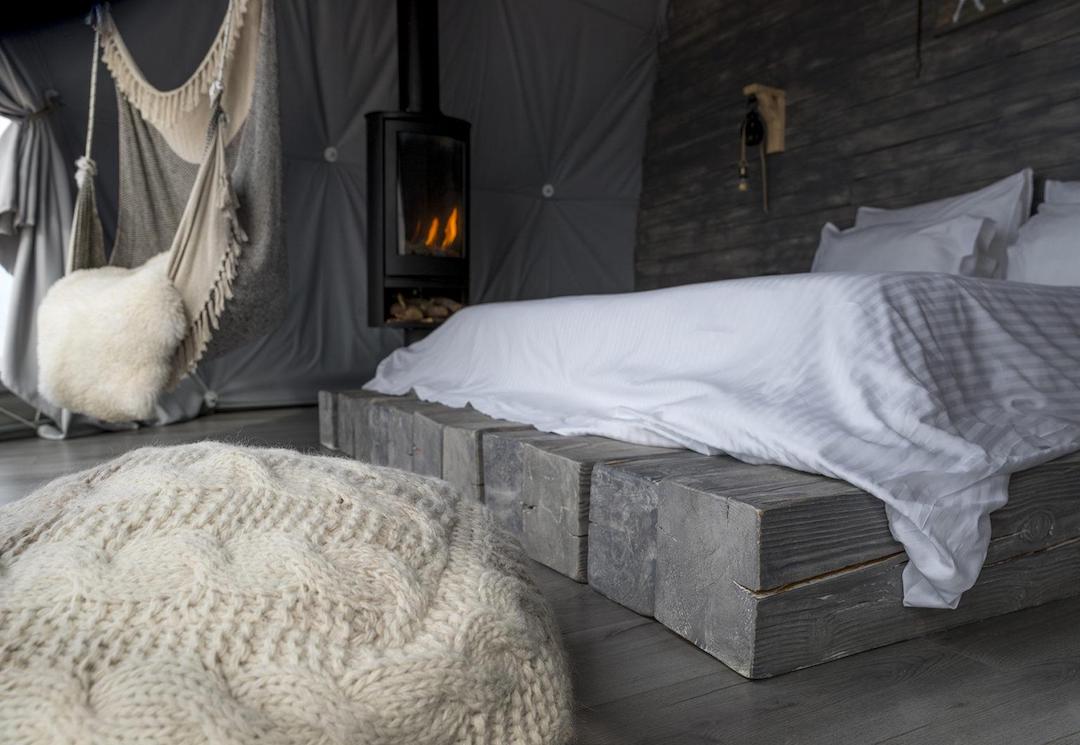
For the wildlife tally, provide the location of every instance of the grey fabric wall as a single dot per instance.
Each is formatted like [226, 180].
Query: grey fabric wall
[558, 92]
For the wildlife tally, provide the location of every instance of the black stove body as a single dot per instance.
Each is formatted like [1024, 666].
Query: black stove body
[418, 183]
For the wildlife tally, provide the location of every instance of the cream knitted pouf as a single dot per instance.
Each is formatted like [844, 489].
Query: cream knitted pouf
[217, 594]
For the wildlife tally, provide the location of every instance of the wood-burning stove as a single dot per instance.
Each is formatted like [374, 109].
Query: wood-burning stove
[418, 189]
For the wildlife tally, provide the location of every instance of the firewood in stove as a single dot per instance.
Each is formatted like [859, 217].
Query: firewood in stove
[451, 305]
[421, 309]
[405, 310]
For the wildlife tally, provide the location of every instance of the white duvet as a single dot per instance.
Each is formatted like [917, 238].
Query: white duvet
[926, 390]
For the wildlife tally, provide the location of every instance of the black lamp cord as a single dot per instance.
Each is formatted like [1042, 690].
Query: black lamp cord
[744, 165]
[764, 179]
[918, 38]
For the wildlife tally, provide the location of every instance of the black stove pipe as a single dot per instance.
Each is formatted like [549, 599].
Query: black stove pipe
[418, 56]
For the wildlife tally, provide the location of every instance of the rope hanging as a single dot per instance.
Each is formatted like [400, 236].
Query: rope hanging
[86, 249]
[217, 87]
[93, 90]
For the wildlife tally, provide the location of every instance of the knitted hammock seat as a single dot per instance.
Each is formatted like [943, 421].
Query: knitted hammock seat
[211, 593]
[196, 162]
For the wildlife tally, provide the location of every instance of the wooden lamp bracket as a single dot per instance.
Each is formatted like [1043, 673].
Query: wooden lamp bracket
[772, 105]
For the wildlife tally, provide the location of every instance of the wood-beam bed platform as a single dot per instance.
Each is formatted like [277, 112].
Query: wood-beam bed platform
[766, 568]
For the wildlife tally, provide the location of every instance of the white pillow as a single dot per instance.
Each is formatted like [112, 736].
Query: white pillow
[1062, 192]
[1006, 202]
[959, 245]
[1048, 250]
[1056, 209]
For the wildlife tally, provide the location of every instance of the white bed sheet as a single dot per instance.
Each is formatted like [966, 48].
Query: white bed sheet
[926, 390]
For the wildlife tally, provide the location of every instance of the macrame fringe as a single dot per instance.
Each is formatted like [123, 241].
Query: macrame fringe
[164, 108]
[202, 327]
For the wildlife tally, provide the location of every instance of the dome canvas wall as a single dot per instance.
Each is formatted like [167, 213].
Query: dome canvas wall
[557, 93]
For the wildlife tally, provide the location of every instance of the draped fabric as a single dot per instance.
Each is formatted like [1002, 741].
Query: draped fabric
[35, 212]
[557, 91]
[214, 204]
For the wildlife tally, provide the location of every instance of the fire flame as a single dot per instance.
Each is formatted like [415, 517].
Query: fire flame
[449, 232]
[432, 233]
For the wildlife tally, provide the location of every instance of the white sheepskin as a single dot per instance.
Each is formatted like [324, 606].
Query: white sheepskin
[106, 340]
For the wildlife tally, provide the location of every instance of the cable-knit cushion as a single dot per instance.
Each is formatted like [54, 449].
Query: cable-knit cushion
[212, 593]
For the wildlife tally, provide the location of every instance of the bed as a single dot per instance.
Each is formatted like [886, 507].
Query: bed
[924, 390]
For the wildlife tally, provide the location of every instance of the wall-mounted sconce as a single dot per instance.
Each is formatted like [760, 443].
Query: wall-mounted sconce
[762, 127]
[772, 103]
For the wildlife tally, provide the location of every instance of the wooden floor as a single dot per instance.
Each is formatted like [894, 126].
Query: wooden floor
[1013, 680]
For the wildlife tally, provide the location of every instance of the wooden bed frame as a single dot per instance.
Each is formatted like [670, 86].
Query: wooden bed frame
[765, 568]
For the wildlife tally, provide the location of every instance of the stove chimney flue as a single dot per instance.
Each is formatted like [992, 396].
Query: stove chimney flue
[418, 56]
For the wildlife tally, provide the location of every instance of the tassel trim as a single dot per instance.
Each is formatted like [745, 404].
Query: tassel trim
[201, 328]
[164, 108]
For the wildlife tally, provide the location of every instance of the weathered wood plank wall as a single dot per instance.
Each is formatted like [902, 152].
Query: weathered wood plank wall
[993, 97]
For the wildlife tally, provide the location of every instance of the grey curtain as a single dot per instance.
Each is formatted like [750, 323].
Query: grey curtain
[35, 215]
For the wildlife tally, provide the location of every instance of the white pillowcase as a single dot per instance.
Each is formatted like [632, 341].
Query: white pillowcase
[1006, 202]
[959, 245]
[1062, 192]
[1048, 249]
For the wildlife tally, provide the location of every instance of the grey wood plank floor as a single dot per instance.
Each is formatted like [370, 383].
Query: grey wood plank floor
[1013, 680]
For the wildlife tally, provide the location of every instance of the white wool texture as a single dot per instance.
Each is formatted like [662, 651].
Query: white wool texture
[210, 593]
[107, 338]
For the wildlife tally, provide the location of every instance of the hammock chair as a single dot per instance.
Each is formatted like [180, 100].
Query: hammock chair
[184, 277]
